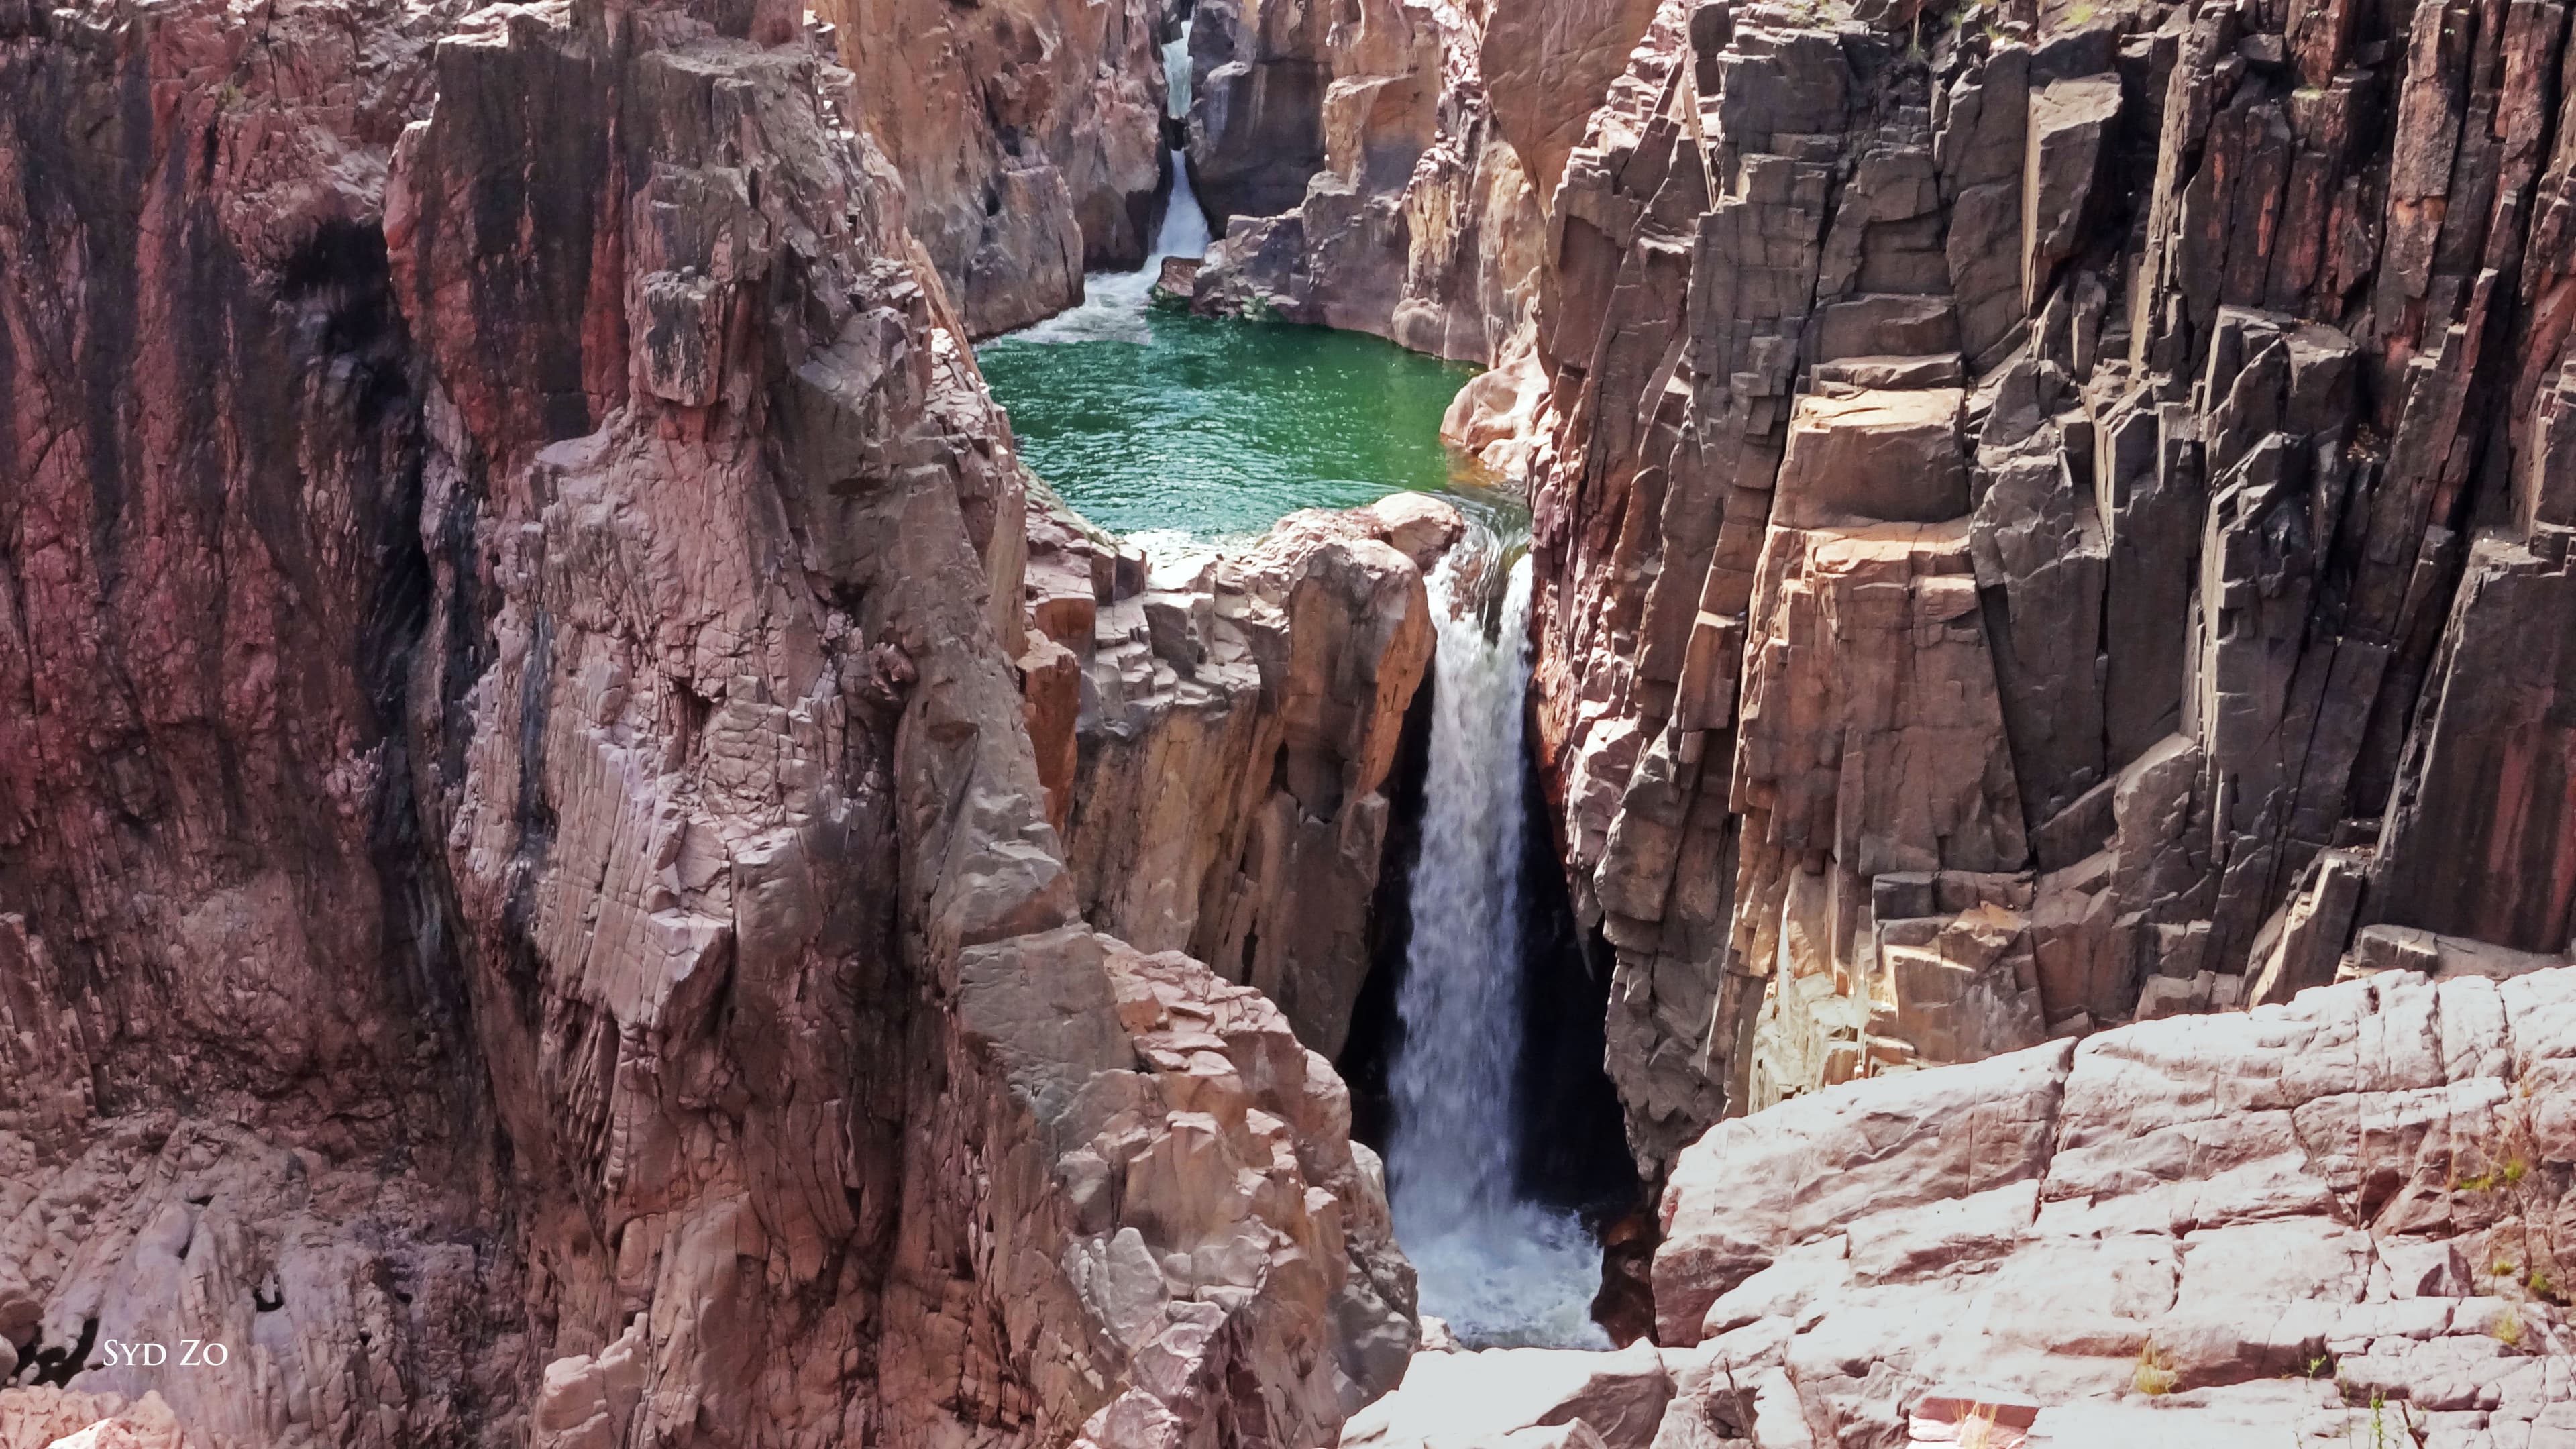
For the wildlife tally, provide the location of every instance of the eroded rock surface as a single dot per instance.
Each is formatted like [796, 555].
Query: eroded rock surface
[2299, 1225]
[2030, 513]
[527, 909]
[1225, 769]
[1411, 211]
[1029, 135]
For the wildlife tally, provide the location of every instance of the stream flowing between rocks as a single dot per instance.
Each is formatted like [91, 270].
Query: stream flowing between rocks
[1184, 432]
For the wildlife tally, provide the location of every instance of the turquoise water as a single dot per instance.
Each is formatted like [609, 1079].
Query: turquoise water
[1216, 427]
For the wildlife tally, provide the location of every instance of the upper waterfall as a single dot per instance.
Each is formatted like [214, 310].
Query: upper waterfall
[1113, 303]
[1176, 74]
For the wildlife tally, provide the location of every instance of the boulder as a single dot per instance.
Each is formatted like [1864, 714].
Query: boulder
[2068, 124]
[1498, 1395]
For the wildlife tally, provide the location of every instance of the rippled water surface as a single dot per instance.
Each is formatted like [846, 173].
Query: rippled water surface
[1215, 427]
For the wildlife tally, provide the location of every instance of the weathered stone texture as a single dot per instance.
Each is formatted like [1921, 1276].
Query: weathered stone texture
[527, 907]
[1029, 135]
[2250, 329]
[2310, 1225]
[1413, 220]
[1239, 717]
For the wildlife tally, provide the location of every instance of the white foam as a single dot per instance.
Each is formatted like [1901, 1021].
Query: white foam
[1519, 1277]
[1114, 304]
[1502, 1271]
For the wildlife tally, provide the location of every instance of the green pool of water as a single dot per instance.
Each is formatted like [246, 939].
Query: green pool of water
[1217, 427]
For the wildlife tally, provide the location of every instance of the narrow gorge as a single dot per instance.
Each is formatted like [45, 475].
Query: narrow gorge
[1273, 724]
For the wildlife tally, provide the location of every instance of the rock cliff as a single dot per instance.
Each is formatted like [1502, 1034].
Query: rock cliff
[1369, 176]
[2336, 1222]
[527, 909]
[1225, 725]
[2044, 516]
[581, 865]
[1029, 135]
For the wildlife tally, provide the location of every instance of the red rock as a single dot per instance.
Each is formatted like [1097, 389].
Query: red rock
[531, 909]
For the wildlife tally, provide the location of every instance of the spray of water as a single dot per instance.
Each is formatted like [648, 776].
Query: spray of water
[1502, 1271]
[1114, 303]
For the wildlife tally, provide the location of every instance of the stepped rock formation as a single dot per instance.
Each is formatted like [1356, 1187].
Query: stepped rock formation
[1224, 752]
[2045, 517]
[2303, 1225]
[527, 912]
[1029, 134]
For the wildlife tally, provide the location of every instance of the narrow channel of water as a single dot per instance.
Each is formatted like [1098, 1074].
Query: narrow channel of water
[1182, 431]
[1501, 1270]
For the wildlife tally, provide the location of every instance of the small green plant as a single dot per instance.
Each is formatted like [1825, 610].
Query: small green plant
[2507, 1328]
[2379, 1435]
[2508, 1173]
[2320, 1367]
[2512, 1189]
[2153, 1375]
[2376, 1428]
[2081, 14]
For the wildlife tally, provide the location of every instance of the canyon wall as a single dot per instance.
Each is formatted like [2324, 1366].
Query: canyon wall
[1363, 172]
[527, 906]
[1029, 135]
[2045, 517]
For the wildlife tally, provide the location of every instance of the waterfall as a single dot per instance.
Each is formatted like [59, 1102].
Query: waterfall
[1500, 1270]
[1176, 74]
[1114, 304]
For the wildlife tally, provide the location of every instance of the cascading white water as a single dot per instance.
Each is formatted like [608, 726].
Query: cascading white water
[1113, 303]
[1176, 74]
[1500, 1270]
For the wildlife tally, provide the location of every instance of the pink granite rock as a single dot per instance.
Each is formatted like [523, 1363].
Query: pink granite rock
[2302, 1224]
[529, 910]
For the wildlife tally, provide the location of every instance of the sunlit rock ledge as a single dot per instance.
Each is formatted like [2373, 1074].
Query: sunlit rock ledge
[2304, 1224]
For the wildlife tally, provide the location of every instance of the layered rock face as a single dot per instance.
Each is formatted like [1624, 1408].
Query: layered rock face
[1402, 205]
[2044, 518]
[2302, 1225]
[1414, 220]
[527, 910]
[1258, 70]
[1225, 726]
[1029, 134]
